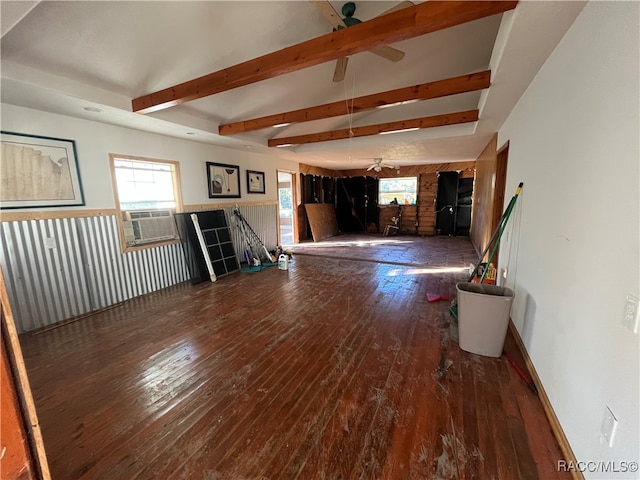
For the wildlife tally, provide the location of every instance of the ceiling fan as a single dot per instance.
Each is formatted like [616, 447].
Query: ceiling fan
[378, 165]
[348, 10]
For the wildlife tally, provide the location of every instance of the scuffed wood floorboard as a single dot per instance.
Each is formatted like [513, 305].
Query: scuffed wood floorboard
[337, 369]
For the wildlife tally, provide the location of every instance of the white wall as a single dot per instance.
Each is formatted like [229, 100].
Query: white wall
[94, 142]
[573, 250]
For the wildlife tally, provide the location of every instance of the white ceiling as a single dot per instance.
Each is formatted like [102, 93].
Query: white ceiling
[64, 56]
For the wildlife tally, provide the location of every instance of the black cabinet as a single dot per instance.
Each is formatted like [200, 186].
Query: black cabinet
[453, 204]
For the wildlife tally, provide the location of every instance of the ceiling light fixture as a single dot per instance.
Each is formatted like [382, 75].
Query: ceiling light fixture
[398, 131]
[281, 125]
[92, 109]
[284, 145]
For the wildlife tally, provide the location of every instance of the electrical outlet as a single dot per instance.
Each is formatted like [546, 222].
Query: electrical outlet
[609, 426]
[50, 242]
[631, 313]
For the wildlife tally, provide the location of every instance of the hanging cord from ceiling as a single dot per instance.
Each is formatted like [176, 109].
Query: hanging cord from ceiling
[350, 107]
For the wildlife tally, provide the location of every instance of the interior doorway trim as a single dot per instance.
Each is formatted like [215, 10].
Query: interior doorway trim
[502, 159]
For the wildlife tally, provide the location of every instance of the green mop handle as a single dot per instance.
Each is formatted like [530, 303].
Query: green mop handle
[503, 226]
[495, 233]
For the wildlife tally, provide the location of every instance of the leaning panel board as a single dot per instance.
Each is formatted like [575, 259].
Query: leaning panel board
[219, 245]
[322, 218]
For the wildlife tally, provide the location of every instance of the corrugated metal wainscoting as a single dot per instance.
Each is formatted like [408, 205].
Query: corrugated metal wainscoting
[57, 269]
[263, 220]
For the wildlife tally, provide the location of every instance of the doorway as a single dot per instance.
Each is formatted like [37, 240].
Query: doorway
[286, 211]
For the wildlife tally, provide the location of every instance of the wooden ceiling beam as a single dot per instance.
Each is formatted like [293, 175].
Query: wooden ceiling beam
[403, 24]
[424, 91]
[424, 122]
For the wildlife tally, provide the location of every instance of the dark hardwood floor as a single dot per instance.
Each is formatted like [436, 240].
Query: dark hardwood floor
[338, 368]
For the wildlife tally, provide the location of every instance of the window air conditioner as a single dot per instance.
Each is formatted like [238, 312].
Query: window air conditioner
[148, 226]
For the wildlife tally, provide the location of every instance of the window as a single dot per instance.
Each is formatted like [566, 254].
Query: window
[147, 195]
[144, 184]
[403, 190]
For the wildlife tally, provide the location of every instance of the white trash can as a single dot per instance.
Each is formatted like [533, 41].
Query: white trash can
[483, 317]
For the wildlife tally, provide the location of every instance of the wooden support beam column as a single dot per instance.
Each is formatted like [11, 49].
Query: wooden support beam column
[403, 24]
[423, 122]
[423, 91]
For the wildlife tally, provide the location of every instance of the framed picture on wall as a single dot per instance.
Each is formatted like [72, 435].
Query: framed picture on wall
[38, 172]
[255, 181]
[223, 180]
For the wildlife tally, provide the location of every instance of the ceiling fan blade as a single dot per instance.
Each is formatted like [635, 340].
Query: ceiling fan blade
[334, 19]
[390, 53]
[328, 12]
[399, 6]
[341, 68]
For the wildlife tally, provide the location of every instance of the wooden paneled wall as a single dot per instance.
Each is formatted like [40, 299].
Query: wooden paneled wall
[484, 192]
[312, 170]
[427, 193]
[410, 170]
[427, 175]
[408, 220]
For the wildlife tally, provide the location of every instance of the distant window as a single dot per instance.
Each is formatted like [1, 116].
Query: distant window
[403, 190]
